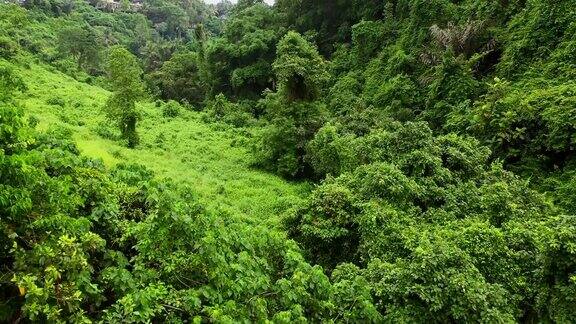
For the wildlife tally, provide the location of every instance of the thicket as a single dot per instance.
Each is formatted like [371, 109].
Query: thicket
[439, 136]
[83, 243]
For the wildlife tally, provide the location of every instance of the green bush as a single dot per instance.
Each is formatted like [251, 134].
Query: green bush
[330, 152]
[33, 121]
[56, 101]
[105, 131]
[171, 109]
[235, 114]
[8, 48]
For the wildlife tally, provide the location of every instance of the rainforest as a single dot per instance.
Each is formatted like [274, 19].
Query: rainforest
[288, 161]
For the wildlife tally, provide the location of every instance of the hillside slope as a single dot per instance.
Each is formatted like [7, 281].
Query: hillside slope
[212, 158]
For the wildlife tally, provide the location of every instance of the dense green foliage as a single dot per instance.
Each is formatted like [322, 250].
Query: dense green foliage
[432, 141]
[117, 245]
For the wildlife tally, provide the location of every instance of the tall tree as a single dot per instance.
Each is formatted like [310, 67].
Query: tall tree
[180, 78]
[294, 110]
[82, 43]
[126, 78]
[240, 61]
[299, 68]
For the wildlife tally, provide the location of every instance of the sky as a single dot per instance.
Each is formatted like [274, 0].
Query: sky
[234, 1]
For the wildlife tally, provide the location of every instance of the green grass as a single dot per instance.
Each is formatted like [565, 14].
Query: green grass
[212, 158]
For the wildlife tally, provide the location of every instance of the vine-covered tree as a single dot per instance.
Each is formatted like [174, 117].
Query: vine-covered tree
[125, 77]
[300, 70]
[240, 61]
[293, 111]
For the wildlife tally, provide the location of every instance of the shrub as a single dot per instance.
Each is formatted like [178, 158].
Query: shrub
[218, 107]
[399, 98]
[235, 114]
[8, 48]
[56, 101]
[171, 109]
[33, 121]
[104, 130]
[330, 152]
[239, 118]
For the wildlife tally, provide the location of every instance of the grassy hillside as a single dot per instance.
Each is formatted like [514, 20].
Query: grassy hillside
[212, 158]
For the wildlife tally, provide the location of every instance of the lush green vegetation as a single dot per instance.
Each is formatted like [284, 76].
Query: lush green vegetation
[311, 161]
